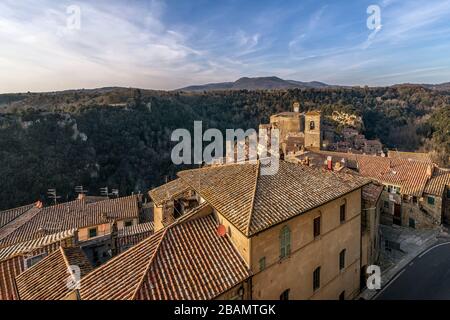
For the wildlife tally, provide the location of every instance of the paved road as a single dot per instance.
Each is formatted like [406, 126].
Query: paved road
[426, 277]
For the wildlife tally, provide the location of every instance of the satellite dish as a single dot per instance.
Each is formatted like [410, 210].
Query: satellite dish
[221, 230]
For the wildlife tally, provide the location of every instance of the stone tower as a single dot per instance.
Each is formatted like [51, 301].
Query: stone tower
[313, 133]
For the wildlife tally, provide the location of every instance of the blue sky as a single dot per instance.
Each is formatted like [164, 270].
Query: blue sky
[169, 44]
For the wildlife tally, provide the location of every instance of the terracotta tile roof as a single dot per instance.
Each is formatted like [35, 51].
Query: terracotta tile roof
[230, 189]
[168, 191]
[7, 216]
[130, 236]
[18, 222]
[372, 192]
[27, 246]
[146, 227]
[70, 215]
[409, 175]
[418, 156]
[186, 260]
[49, 278]
[436, 185]
[254, 202]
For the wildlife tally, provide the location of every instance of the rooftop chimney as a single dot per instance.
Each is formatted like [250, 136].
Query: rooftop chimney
[329, 163]
[296, 106]
[39, 204]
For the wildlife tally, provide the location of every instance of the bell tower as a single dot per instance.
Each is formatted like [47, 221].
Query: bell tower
[313, 130]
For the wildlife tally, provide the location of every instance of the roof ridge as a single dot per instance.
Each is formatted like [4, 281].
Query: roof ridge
[66, 261]
[247, 231]
[133, 297]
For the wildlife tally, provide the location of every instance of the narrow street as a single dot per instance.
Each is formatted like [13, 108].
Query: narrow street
[425, 277]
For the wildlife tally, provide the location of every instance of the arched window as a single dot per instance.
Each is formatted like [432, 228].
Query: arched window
[285, 242]
[311, 125]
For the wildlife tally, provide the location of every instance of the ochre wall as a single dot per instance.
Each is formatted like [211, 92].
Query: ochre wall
[241, 242]
[296, 271]
[102, 229]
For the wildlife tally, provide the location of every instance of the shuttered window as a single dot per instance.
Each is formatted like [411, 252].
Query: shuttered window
[285, 242]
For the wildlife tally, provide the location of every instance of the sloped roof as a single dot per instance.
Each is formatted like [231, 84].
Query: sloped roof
[146, 227]
[410, 175]
[49, 278]
[418, 156]
[254, 202]
[28, 246]
[438, 182]
[66, 216]
[371, 193]
[168, 191]
[186, 260]
[7, 216]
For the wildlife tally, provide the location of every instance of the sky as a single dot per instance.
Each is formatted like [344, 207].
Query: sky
[51, 45]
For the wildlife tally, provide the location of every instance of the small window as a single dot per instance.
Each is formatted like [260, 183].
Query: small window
[316, 227]
[342, 213]
[316, 279]
[285, 242]
[285, 295]
[342, 260]
[262, 263]
[29, 262]
[92, 232]
[414, 199]
[431, 200]
[386, 204]
[311, 125]
[412, 223]
[342, 295]
[128, 223]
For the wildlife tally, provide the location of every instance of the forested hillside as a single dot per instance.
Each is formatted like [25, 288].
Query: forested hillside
[120, 137]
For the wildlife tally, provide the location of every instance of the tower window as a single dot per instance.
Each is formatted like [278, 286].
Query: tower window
[311, 125]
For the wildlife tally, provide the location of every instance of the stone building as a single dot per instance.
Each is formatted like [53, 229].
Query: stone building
[313, 133]
[415, 192]
[297, 130]
[292, 235]
[28, 234]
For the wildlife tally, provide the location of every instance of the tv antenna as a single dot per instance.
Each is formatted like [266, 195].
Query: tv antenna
[80, 190]
[53, 195]
[105, 192]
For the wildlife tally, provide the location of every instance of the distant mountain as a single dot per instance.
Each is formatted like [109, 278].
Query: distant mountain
[438, 86]
[258, 83]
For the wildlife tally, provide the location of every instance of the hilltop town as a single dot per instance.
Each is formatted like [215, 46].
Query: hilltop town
[312, 230]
